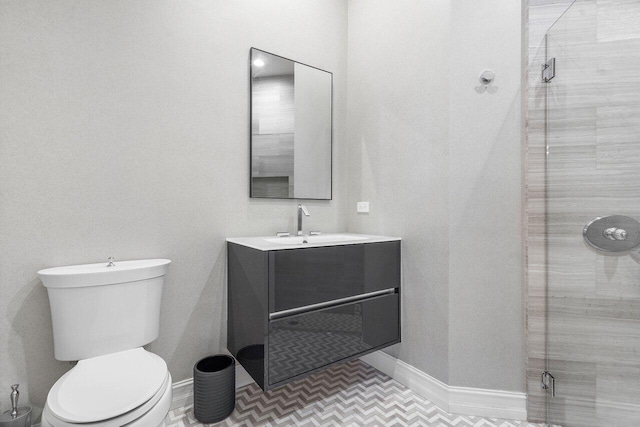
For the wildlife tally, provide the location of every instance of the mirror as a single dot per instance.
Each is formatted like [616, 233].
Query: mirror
[290, 129]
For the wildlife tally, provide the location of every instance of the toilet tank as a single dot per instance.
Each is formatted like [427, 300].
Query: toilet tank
[98, 310]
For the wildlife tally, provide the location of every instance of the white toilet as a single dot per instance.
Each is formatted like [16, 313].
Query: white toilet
[102, 315]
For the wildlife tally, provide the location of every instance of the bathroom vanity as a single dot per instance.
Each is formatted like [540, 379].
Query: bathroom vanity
[295, 308]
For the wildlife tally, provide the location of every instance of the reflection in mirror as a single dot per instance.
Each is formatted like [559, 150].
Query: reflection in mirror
[290, 128]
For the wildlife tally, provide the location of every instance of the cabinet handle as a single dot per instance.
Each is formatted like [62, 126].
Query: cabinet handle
[327, 304]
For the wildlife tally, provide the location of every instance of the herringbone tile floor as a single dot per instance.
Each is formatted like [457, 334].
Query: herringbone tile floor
[351, 394]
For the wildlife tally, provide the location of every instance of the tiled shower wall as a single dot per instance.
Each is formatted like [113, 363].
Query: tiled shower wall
[591, 300]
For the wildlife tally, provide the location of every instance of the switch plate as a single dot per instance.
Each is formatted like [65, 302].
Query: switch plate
[363, 207]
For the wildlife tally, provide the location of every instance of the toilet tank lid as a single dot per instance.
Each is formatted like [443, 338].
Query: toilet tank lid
[108, 386]
[75, 276]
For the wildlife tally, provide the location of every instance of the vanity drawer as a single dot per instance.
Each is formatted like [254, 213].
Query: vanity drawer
[302, 343]
[309, 276]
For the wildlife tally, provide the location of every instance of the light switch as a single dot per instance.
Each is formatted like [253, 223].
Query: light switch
[363, 207]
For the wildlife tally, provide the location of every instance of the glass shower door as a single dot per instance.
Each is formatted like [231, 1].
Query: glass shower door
[593, 170]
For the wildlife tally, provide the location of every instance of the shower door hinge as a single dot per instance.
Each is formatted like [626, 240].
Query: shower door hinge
[549, 383]
[549, 70]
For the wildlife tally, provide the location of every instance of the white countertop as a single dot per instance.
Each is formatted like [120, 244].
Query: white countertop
[272, 243]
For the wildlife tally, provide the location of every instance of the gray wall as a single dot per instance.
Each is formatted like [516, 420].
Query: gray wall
[486, 323]
[398, 158]
[125, 132]
[438, 158]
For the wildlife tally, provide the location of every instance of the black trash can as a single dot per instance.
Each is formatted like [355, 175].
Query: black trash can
[214, 388]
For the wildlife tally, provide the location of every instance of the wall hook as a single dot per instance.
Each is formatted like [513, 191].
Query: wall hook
[486, 79]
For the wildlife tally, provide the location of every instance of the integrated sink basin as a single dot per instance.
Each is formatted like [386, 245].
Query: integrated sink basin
[322, 238]
[271, 243]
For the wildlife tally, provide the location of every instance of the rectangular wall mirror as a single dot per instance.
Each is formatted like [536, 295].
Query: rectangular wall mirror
[290, 128]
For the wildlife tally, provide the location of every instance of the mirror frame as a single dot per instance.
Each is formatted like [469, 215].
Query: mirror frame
[251, 131]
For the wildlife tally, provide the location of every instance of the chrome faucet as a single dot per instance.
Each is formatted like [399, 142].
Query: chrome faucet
[301, 210]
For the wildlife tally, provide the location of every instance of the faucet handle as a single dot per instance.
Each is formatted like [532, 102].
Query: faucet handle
[315, 233]
[110, 264]
[282, 234]
[304, 210]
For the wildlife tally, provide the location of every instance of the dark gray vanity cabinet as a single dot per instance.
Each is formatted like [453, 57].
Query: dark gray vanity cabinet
[292, 312]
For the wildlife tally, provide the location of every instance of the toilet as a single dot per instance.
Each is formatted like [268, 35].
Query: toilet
[102, 314]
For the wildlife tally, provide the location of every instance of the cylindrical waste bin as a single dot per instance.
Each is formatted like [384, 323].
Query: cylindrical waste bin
[214, 388]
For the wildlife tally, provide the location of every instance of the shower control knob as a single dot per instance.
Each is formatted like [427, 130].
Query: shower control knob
[615, 233]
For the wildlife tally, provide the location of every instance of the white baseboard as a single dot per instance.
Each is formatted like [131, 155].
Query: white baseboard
[242, 377]
[424, 385]
[488, 403]
[457, 400]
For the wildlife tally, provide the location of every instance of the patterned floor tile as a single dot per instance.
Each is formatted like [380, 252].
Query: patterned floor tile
[349, 395]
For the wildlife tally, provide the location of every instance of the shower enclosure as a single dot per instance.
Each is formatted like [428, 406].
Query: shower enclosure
[591, 105]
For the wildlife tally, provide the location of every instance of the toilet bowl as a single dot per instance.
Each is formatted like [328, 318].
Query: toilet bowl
[102, 315]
